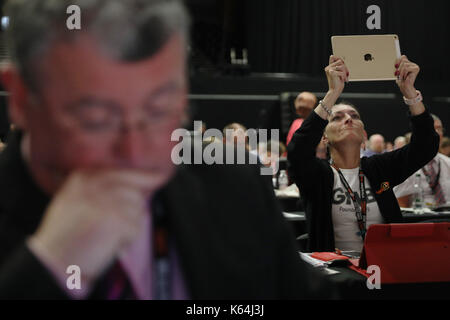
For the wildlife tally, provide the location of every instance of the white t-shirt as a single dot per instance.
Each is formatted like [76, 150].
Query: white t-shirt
[346, 231]
[407, 187]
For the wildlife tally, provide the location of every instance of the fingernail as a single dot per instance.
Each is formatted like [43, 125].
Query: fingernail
[396, 73]
[347, 74]
[396, 66]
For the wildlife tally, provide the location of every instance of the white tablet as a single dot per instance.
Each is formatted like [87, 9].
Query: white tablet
[368, 57]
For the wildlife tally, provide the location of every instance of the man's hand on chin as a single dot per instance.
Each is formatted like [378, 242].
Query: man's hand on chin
[93, 216]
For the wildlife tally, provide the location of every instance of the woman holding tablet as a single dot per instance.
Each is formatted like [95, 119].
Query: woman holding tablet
[343, 197]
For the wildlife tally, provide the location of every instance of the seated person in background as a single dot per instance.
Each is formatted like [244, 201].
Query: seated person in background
[364, 144]
[321, 150]
[268, 158]
[344, 198]
[434, 179]
[259, 151]
[235, 134]
[283, 149]
[88, 180]
[304, 104]
[399, 142]
[389, 146]
[408, 137]
[376, 145]
[445, 146]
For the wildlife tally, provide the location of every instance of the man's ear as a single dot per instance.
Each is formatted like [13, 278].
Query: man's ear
[18, 95]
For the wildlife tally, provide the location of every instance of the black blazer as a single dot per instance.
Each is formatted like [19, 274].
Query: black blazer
[314, 177]
[231, 237]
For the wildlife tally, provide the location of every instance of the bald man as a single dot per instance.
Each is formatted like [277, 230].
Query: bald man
[399, 142]
[304, 104]
[376, 145]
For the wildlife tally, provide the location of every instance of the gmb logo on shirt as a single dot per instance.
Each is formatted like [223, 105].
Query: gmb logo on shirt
[340, 196]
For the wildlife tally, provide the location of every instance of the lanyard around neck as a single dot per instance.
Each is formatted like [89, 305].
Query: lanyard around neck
[359, 202]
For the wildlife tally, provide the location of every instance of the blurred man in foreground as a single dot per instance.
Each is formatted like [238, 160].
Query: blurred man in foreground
[87, 182]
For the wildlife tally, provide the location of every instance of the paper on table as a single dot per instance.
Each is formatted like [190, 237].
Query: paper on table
[322, 265]
[289, 192]
[329, 271]
[294, 216]
[423, 210]
[312, 261]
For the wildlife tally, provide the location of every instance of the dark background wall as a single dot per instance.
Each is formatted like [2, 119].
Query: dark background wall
[257, 101]
[292, 37]
[288, 45]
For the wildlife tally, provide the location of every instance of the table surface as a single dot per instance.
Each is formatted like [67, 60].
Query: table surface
[408, 216]
[352, 285]
[414, 217]
[295, 216]
[289, 192]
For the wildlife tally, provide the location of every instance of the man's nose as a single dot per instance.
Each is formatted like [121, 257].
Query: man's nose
[130, 146]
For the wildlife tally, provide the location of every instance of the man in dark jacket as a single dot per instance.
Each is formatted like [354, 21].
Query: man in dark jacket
[88, 186]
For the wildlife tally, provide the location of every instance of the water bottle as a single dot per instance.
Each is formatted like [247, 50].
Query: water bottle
[274, 182]
[418, 202]
[283, 180]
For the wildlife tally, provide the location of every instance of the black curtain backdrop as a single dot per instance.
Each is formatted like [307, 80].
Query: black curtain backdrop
[293, 36]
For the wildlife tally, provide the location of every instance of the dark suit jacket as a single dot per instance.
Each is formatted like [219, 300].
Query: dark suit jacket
[314, 177]
[231, 237]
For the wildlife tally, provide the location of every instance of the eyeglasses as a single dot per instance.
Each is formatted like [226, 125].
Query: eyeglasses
[99, 118]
